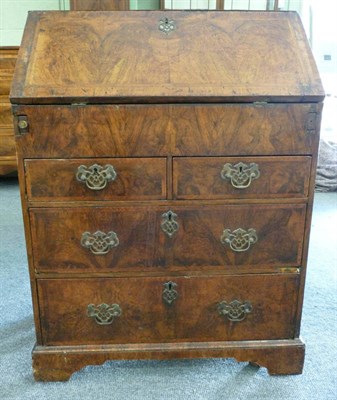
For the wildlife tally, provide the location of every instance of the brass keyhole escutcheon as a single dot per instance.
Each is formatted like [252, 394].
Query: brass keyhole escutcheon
[169, 225]
[170, 293]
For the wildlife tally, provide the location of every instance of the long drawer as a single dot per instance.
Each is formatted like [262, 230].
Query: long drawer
[240, 177]
[98, 311]
[145, 238]
[96, 179]
[178, 130]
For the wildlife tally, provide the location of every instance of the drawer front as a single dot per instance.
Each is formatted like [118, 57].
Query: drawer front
[96, 179]
[137, 310]
[179, 238]
[240, 177]
[161, 130]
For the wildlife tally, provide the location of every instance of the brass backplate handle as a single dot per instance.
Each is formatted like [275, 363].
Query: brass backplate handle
[240, 239]
[96, 176]
[99, 243]
[170, 293]
[104, 314]
[240, 175]
[235, 311]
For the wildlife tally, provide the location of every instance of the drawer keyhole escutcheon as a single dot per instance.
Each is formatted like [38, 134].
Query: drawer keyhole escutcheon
[169, 225]
[170, 293]
[104, 314]
[240, 175]
[235, 311]
[239, 240]
[99, 243]
[96, 176]
[166, 25]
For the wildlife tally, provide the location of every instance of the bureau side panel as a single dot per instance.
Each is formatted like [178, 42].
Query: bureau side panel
[316, 127]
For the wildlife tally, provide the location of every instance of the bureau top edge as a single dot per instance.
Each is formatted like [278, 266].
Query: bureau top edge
[84, 101]
[159, 57]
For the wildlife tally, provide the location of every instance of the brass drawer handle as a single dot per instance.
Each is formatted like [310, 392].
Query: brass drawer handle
[240, 175]
[169, 225]
[235, 310]
[96, 176]
[239, 240]
[99, 243]
[104, 314]
[170, 293]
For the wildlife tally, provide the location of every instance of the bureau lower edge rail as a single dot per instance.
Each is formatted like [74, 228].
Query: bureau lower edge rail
[58, 363]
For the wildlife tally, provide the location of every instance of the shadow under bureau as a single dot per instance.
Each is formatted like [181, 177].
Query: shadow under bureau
[166, 165]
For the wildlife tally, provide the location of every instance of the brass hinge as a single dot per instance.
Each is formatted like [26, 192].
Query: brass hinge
[260, 103]
[290, 270]
[22, 126]
[78, 104]
[311, 123]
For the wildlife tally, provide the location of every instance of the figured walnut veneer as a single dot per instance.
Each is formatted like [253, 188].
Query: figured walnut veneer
[167, 185]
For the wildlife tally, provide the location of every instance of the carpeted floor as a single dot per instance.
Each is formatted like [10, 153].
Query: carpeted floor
[211, 379]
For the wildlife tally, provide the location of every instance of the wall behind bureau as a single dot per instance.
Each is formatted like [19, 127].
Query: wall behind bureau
[13, 15]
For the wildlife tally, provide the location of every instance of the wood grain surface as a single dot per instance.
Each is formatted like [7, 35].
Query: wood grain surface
[137, 179]
[199, 178]
[168, 111]
[8, 162]
[58, 363]
[103, 57]
[177, 130]
[143, 246]
[146, 318]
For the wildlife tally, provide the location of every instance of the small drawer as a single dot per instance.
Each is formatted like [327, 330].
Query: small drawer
[150, 310]
[96, 179]
[240, 177]
[181, 238]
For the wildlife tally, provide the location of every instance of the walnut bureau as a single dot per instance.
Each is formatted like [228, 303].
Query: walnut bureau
[166, 164]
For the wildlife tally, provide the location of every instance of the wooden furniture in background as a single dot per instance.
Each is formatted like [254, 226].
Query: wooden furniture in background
[8, 163]
[167, 204]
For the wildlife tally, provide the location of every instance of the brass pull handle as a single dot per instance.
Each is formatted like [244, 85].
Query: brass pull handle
[170, 293]
[169, 225]
[104, 314]
[240, 175]
[99, 243]
[235, 310]
[96, 176]
[239, 240]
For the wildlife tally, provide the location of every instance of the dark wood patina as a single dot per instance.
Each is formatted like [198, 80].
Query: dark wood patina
[167, 185]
